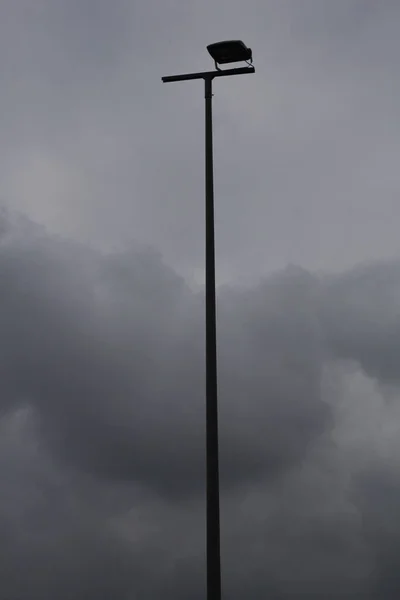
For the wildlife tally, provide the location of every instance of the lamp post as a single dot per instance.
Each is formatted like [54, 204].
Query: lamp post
[223, 53]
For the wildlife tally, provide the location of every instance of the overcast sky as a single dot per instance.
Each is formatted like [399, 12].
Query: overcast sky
[102, 331]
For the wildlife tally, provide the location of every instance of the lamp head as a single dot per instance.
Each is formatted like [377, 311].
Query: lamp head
[229, 51]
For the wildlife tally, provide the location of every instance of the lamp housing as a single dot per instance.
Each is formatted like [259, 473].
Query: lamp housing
[229, 51]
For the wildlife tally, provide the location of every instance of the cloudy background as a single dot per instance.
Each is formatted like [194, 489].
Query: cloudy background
[102, 312]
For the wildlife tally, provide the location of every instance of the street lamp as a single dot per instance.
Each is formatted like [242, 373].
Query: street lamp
[223, 53]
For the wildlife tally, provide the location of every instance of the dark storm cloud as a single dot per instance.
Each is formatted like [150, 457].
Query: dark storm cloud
[109, 351]
[101, 454]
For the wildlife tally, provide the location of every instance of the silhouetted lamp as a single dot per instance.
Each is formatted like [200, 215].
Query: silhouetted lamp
[229, 51]
[222, 52]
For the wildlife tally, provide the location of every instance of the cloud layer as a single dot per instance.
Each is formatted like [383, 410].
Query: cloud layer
[102, 429]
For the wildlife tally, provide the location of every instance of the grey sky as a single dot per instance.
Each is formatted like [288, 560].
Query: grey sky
[95, 147]
[101, 339]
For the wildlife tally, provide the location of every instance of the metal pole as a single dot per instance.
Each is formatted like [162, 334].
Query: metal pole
[212, 461]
